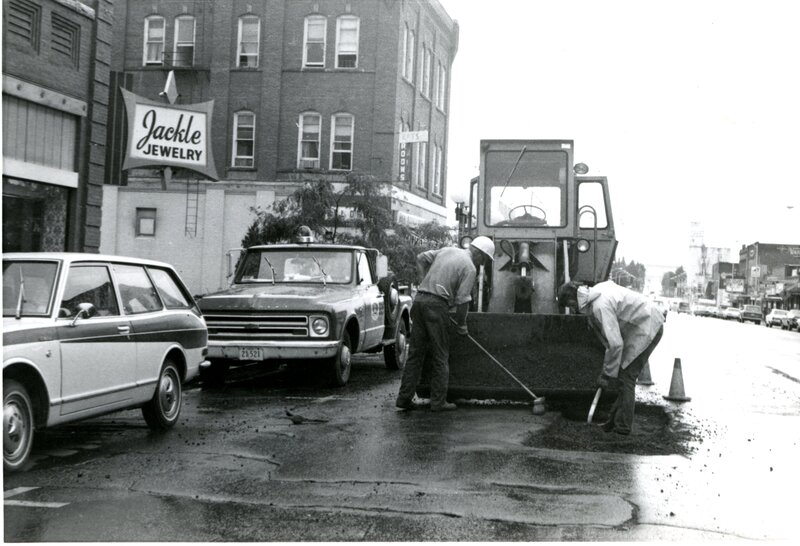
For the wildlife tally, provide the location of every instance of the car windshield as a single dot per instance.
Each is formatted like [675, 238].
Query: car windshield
[752, 308]
[779, 312]
[34, 281]
[526, 188]
[311, 265]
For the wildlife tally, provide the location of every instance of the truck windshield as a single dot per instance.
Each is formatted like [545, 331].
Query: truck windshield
[310, 265]
[526, 187]
[34, 282]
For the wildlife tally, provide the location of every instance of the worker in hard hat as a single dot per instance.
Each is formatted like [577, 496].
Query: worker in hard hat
[630, 326]
[448, 275]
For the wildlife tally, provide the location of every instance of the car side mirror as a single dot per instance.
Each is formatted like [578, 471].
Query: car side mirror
[85, 310]
[382, 265]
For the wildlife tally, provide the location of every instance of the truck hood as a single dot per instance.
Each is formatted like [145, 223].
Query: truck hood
[279, 297]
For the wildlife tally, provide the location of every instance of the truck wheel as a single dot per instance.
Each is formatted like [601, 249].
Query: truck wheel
[17, 425]
[339, 365]
[213, 376]
[395, 355]
[163, 410]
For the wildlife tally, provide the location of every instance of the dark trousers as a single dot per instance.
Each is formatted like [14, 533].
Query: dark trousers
[429, 341]
[622, 409]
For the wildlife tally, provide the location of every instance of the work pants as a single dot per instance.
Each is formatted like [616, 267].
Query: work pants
[623, 407]
[430, 341]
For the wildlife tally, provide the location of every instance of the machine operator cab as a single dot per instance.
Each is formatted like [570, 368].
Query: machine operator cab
[549, 221]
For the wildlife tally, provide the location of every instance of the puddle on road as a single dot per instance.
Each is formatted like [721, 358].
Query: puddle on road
[655, 432]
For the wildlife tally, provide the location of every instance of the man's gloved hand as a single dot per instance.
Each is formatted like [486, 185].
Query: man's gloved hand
[604, 380]
[462, 330]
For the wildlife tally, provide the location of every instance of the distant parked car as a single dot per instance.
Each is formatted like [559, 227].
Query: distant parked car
[776, 317]
[732, 313]
[87, 334]
[684, 307]
[752, 313]
[793, 320]
[663, 307]
[703, 311]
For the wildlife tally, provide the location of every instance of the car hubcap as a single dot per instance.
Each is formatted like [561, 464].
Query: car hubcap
[345, 360]
[168, 393]
[402, 347]
[15, 428]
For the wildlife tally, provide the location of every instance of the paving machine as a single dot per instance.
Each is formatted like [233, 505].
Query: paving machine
[551, 223]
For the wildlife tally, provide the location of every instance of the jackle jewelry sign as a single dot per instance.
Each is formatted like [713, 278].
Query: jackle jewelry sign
[169, 135]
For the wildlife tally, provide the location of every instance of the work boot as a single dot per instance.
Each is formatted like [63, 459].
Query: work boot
[404, 404]
[447, 406]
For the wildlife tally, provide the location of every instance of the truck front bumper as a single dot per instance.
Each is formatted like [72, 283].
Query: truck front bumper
[270, 350]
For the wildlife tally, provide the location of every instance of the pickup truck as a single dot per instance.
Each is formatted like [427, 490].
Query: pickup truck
[305, 301]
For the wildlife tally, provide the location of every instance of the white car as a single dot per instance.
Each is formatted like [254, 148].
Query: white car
[776, 317]
[87, 334]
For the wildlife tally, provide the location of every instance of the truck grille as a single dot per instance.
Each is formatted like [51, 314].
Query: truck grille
[227, 327]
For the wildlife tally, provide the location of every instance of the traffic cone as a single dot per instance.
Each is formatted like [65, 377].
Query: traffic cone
[676, 393]
[644, 376]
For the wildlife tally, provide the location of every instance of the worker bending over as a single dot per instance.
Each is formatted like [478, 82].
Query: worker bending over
[630, 326]
[448, 275]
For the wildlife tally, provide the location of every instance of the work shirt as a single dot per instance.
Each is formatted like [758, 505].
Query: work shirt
[448, 273]
[626, 321]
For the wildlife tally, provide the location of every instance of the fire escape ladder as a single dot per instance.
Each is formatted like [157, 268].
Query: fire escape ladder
[192, 198]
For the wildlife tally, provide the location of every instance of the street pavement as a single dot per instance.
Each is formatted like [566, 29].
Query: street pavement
[268, 459]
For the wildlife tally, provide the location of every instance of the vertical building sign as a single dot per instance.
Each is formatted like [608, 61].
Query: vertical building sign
[403, 161]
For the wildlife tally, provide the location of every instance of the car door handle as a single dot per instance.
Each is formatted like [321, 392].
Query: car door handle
[124, 329]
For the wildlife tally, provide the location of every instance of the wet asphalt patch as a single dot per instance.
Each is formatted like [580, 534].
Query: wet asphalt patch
[655, 432]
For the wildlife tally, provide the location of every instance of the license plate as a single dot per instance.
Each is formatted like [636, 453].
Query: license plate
[250, 353]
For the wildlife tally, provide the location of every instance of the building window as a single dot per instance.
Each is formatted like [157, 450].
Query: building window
[425, 72]
[244, 131]
[420, 164]
[438, 157]
[408, 54]
[347, 42]
[154, 40]
[183, 55]
[249, 32]
[441, 79]
[145, 222]
[342, 142]
[308, 141]
[314, 50]
[23, 19]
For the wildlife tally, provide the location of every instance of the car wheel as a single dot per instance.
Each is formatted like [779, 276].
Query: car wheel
[339, 365]
[395, 355]
[213, 375]
[162, 411]
[17, 425]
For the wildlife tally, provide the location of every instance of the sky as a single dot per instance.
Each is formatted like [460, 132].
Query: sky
[691, 109]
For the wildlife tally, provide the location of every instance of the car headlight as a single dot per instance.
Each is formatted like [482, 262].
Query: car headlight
[319, 326]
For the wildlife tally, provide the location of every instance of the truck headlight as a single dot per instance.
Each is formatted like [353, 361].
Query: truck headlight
[319, 326]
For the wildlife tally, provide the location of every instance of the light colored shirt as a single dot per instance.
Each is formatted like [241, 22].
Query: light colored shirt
[448, 272]
[626, 321]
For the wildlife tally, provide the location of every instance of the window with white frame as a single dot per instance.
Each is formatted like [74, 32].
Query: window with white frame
[438, 158]
[244, 134]
[420, 164]
[440, 92]
[153, 40]
[347, 28]
[408, 53]
[425, 72]
[314, 49]
[342, 142]
[145, 222]
[308, 140]
[183, 53]
[249, 36]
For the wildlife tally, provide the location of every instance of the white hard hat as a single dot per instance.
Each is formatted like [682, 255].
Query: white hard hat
[485, 245]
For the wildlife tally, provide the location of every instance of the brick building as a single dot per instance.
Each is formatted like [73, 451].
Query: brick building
[302, 90]
[56, 58]
[770, 276]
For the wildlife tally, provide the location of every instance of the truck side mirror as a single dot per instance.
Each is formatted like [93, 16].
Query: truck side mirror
[382, 265]
[232, 257]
